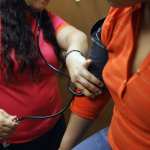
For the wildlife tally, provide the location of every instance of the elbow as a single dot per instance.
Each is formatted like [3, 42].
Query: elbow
[84, 39]
[83, 36]
[80, 38]
[79, 35]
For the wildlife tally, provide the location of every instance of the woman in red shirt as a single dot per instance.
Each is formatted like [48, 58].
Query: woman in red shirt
[29, 36]
[126, 35]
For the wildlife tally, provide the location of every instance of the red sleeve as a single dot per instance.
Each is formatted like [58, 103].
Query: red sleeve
[58, 22]
[0, 34]
[89, 108]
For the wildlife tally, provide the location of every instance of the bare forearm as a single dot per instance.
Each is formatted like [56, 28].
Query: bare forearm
[70, 38]
[74, 132]
[78, 41]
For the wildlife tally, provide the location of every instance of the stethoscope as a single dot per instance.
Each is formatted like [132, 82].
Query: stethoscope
[71, 87]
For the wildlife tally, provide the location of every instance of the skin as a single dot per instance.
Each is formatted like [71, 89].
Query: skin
[143, 48]
[7, 124]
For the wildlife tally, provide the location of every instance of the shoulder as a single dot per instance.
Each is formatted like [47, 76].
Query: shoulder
[117, 20]
[119, 13]
[57, 21]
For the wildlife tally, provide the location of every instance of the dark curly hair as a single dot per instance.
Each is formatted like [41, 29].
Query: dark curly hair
[17, 35]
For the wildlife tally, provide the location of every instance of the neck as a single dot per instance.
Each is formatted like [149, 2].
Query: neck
[27, 2]
[146, 16]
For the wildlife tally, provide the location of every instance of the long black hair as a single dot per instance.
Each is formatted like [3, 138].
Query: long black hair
[17, 34]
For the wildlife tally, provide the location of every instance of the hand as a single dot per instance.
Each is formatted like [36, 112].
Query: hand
[7, 124]
[77, 66]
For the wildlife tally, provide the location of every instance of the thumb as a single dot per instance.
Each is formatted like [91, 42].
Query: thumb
[87, 63]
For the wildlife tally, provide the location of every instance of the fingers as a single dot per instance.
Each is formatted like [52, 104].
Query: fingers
[88, 89]
[83, 82]
[87, 92]
[84, 90]
[7, 124]
[5, 130]
[83, 79]
[90, 77]
[88, 85]
[7, 119]
[87, 63]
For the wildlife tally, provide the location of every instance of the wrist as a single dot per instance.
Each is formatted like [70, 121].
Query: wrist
[66, 144]
[69, 52]
[73, 55]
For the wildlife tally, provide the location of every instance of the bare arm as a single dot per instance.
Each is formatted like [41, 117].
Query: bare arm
[75, 129]
[84, 111]
[70, 38]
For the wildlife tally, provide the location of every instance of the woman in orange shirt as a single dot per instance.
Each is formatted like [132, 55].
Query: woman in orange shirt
[126, 35]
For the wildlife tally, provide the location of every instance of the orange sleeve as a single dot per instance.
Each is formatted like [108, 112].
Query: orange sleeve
[89, 108]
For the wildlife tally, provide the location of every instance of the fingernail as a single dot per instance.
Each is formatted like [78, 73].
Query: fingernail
[101, 84]
[15, 123]
[98, 92]
[93, 97]
[14, 119]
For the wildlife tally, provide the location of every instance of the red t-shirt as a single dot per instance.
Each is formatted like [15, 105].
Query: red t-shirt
[25, 97]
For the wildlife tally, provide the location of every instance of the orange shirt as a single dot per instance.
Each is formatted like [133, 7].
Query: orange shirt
[130, 125]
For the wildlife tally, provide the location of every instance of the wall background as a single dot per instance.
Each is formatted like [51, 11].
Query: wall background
[83, 15]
